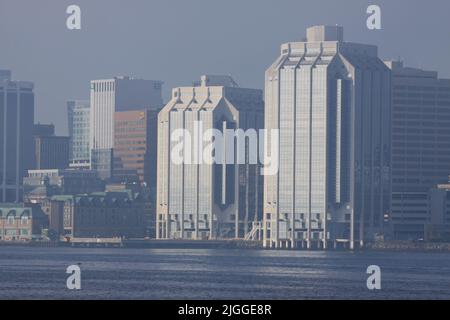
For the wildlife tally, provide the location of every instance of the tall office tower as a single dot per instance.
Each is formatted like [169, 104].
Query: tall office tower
[107, 97]
[52, 152]
[200, 199]
[420, 145]
[78, 113]
[330, 100]
[16, 135]
[135, 148]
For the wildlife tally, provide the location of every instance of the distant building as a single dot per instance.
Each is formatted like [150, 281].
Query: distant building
[20, 222]
[107, 97]
[208, 201]
[146, 194]
[16, 135]
[40, 184]
[135, 146]
[102, 162]
[78, 113]
[98, 215]
[420, 145]
[330, 100]
[43, 129]
[52, 152]
[54, 211]
[437, 227]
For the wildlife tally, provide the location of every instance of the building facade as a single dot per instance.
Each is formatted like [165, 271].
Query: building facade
[330, 100]
[98, 215]
[19, 222]
[420, 145]
[135, 139]
[109, 96]
[40, 184]
[16, 135]
[437, 227]
[52, 152]
[208, 200]
[146, 195]
[78, 114]
[40, 129]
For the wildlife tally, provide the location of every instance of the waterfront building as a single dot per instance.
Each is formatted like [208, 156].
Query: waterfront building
[330, 99]
[98, 215]
[21, 222]
[208, 200]
[437, 226]
[420, 145]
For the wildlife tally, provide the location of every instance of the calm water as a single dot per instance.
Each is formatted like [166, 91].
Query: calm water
[39, 273]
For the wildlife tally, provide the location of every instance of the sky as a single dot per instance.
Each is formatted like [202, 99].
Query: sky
[177, 41]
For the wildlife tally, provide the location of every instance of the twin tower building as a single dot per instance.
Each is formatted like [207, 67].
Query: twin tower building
[326, 120]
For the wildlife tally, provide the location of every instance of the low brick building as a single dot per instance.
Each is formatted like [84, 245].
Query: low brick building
[21, 222]
[97, 215]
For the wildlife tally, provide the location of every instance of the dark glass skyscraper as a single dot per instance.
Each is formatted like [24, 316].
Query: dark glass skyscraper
[16, 135]
[420, 146]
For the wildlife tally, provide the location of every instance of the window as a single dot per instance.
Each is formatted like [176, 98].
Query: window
[24, 220]
[10, 232]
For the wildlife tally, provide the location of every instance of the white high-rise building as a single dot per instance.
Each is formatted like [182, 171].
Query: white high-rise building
[107, 97]
[207, 200]
[330, 100]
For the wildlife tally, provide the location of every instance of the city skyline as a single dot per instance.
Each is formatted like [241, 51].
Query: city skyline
[211, 149]
[330, 100]
[150, 59]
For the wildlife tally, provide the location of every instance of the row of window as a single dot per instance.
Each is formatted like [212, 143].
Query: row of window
[14, 232]
[12, 220]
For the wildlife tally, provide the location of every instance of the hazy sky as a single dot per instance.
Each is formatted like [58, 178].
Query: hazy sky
[178, 40]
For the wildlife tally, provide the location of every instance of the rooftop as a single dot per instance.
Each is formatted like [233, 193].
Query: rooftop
[324, 33]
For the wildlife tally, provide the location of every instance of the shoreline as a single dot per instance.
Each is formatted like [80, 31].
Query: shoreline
[400, 246]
